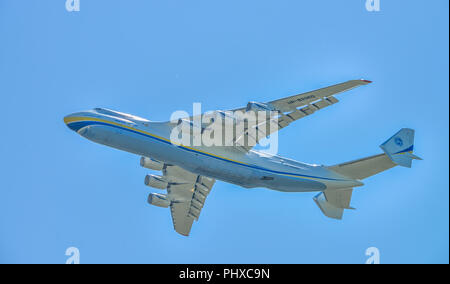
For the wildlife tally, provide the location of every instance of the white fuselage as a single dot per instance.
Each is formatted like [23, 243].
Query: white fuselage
[247, 169]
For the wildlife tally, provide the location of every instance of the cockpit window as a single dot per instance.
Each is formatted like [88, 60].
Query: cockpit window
[105, 111]
[119, 114]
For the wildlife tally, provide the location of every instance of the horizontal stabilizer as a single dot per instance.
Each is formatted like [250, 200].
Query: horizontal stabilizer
[333, 202]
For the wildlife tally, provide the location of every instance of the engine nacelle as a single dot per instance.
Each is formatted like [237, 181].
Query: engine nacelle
[159, 200]
[156, 181]
[256, 106]
[151, 164]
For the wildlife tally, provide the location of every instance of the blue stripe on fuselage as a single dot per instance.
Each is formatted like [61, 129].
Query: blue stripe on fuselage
[76, 126]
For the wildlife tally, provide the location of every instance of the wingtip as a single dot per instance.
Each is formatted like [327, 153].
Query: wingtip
[366, 81]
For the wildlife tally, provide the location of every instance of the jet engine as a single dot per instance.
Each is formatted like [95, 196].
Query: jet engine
[256, 106]
[159, 200]
[151, 164]
[156, 181]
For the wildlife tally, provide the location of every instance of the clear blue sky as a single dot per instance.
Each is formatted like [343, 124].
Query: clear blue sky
[150, 58]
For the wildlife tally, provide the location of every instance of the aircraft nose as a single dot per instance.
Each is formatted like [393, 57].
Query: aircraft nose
[73, 121]
[67, 119]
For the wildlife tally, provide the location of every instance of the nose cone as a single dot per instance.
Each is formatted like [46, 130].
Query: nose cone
[74, 121]
[67, 119]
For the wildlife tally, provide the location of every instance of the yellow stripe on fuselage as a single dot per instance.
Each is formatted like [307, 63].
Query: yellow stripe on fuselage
[78, 119]
[402, 153]
[69, 120]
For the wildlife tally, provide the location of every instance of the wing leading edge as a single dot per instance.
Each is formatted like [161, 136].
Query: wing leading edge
[293, 102]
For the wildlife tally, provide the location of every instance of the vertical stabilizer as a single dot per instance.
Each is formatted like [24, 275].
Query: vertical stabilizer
[399, 148]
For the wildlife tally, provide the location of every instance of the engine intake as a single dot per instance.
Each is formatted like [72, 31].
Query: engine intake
[257, 106]
[159, 200]
[151, 164]
[156, 181]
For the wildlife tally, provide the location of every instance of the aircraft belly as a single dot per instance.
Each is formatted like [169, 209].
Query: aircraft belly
[247, 176]
[123, 140]
[288, 184]
[221, 170]
[168, 153]
[244, 175]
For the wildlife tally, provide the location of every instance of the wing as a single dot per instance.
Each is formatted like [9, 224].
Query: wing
[293, 102]
[278, 115]
[187, 193]
[287, 110]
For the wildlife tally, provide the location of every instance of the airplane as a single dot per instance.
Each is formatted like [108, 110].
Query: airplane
[189, 172]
